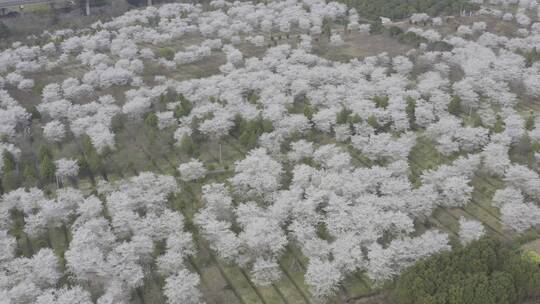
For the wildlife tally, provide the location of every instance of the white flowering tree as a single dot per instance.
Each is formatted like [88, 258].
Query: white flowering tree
[328, 167]
[470, 230]
[66, 168]
[258, 174]
[192, 170]
[54, 131]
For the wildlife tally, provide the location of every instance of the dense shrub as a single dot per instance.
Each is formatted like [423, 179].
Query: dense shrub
[412, 38]
[137, 2]
[531, 56]
[487, 272]
[395, 31]
[440, 46]
[166, 53]
[397, 9]
[4, 31]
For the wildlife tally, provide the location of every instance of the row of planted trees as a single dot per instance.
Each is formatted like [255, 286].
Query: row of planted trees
[135, 152]
[398, 9]
[39, 170]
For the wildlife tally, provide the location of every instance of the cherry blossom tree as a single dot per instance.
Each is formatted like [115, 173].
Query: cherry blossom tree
[325, 119]
[495, 159]
[101, 137]
[365, 28]
[507, 195]
[137, 106]
[75, 295]
[402, 65]
[384, 263]
[296, 183]
[305, 43]
[470, 230]
[192, 170]
[261, 235]
[532, 84]
[523, 19]
[54, 131]
[385, 146]
[452, 182]
[7, 248]
[479, 26]
[179, 246]
[437, 21]
[258, 174]
[336, 40]
[218, 126]
[525, 179]
[520, 216]
[182, 288]
[322, 277]
[51, 92]
[12, 149]
[27, 278]
[265, 271]
[165, 119]
[66, 168]
[419, 18]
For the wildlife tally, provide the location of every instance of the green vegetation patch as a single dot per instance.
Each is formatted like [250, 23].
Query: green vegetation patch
[487, 272]
[398, 9]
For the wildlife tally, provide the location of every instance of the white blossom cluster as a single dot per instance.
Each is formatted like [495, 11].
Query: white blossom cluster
[13, 117]
[110, 257]
[339, 196]
[352, 179]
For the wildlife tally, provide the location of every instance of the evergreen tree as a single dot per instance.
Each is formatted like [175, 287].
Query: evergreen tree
[455, 106]
[151, 120]
[485, 272]
[308, 111]
[29, 175]
[411, 110]
[499, 125]
[182, 110]
[10, 181]
[92, 159]
[46, 165]
[9, 162]
[372, 121]
[399, 9]
[4, 31]
[95, 163]
[188, 146]
[343, 116]
[35, 113]
[47, 168]
[44, 152]
[381, 102]
[530, 123]
[248, 139]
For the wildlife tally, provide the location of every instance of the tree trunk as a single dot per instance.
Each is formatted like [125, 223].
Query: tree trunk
[149, 2]
[48, 238]
[87, 7]
[29, 246]
[140, 292]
